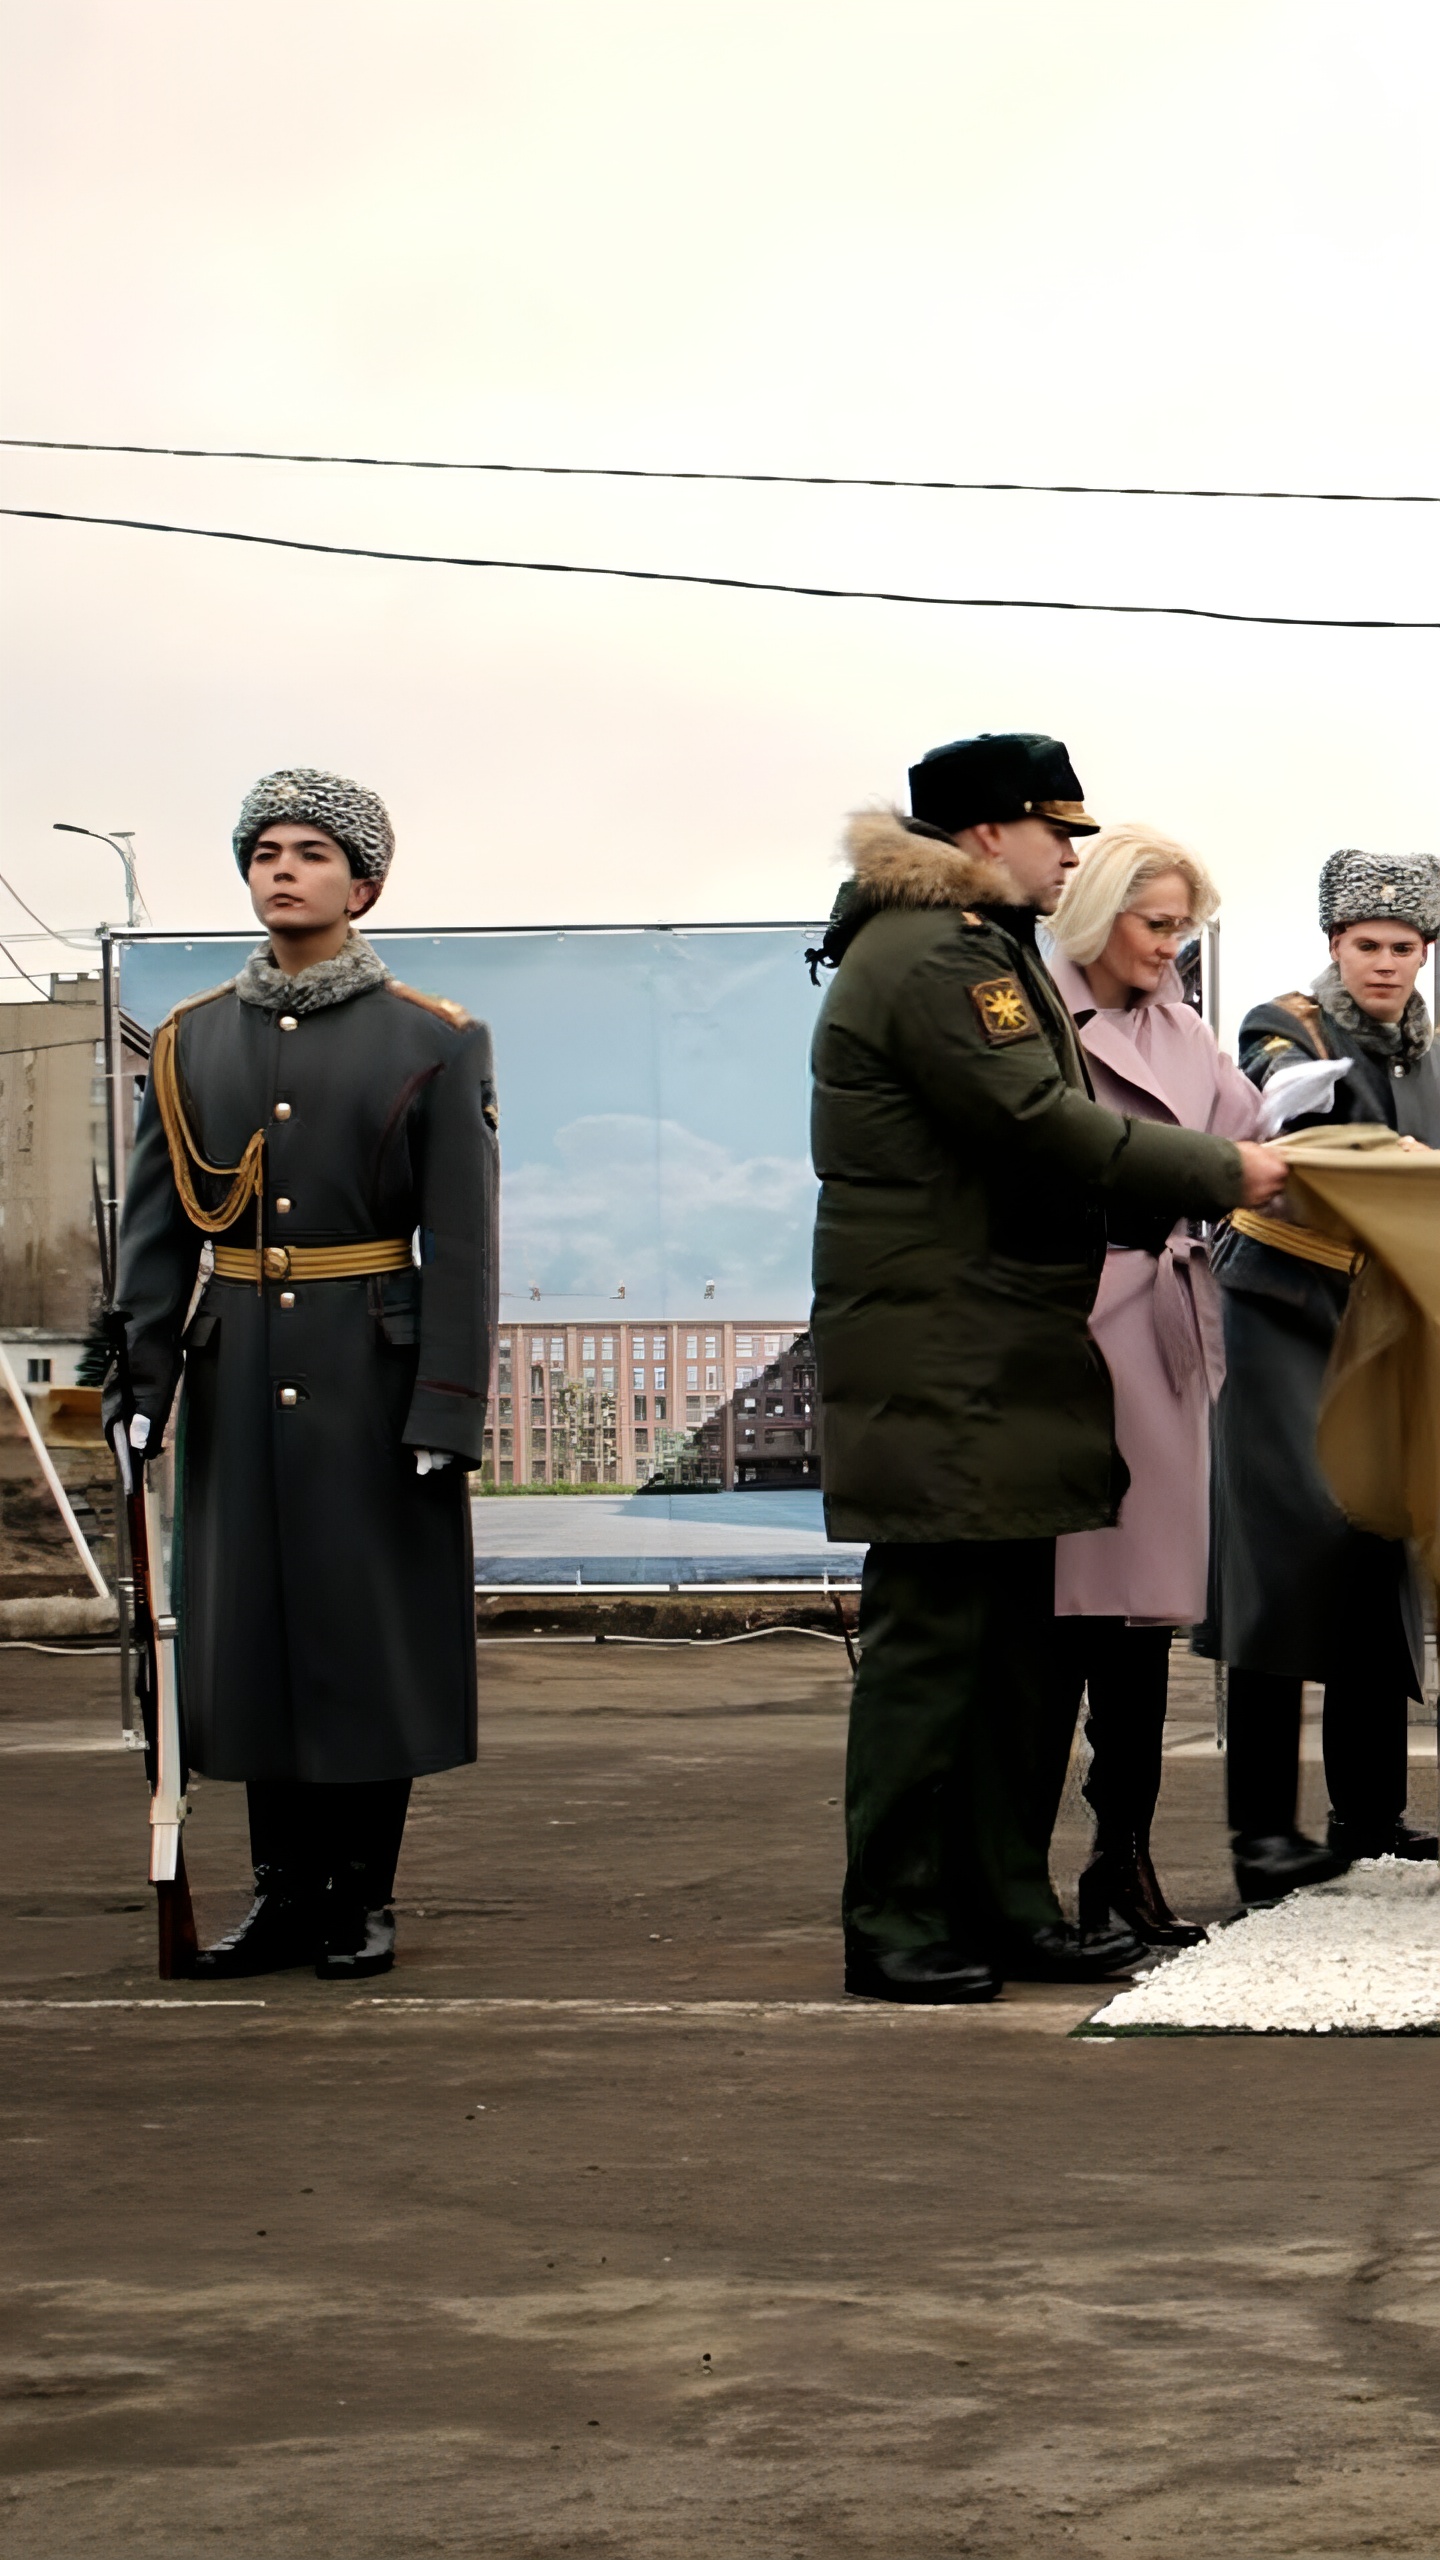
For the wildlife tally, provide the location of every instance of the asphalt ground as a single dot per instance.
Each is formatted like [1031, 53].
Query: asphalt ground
[605, 2226]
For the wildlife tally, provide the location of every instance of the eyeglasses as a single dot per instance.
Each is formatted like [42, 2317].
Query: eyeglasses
[1164, 928]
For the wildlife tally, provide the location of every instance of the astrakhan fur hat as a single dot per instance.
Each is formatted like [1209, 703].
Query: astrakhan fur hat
[356, 818]
[1381, 888]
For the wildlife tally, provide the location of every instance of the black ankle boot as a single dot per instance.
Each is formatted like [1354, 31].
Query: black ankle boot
[358, 1930]
[279, 1930]
[1120, 1883]
[1268, 1865]
[1349, 1840]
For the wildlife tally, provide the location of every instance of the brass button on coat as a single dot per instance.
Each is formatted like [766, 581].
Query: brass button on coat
[282, 1208]
[288, 1022]
[288, 1396]
[282, 1110]
[287, 1297]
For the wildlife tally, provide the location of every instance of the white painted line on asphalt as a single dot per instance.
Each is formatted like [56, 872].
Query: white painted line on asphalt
[132, 2004]
[1038, 2013]
[1043, 2017]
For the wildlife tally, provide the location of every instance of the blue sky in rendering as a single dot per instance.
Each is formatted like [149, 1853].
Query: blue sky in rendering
[653, 1100]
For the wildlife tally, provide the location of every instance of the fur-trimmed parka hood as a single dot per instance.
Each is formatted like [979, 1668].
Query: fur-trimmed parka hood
[897, 861]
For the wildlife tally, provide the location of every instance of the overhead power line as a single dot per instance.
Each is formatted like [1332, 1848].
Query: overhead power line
[47, 933]
[22, 972]
[744, 586]
[735, 479]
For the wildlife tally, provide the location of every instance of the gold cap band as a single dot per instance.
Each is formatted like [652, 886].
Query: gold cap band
[1066, 813]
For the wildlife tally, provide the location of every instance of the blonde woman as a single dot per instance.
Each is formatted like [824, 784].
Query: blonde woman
[1120, 1593]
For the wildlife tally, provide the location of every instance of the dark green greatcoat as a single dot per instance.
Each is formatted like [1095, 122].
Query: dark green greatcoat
[326, 1591]
[1290, 1576]
[967, 1187]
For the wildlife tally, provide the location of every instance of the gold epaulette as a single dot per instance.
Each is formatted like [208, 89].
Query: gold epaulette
[210, 995]
[1307, 1013]
[454, 1014]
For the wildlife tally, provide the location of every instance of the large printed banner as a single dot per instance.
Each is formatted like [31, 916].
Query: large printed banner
[657, 1202]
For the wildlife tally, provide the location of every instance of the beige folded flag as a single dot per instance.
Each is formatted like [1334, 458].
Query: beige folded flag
[1378, 1438]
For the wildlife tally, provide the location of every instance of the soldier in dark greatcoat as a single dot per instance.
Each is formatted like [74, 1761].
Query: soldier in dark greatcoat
[332, 1135]
[966, 1183]
[1296, 1592]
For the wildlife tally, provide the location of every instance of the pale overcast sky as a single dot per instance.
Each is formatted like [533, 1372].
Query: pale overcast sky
[1058, 240]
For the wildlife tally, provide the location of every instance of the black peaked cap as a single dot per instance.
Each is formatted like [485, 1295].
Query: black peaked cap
[998, 778]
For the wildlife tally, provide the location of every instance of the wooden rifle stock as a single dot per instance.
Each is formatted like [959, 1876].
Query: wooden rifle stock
[154, 1633]
[160, 1704]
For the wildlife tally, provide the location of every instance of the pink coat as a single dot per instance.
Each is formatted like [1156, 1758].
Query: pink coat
[1157, 1323]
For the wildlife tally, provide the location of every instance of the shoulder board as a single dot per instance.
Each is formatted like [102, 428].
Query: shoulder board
[1307, 1013]
[968, 916]
[210, 996]
[454, 1014]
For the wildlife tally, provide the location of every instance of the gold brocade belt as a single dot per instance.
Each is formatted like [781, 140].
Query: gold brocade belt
[311, 1261]
[1302, 1242]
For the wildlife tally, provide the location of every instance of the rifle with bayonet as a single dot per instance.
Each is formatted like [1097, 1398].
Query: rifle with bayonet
[151, 1643]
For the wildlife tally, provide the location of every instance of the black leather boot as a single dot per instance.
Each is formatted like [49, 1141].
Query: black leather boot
[279, 1930]
[936, 1977]
[1063, 1954]
[1350, 1840]
[1269, 1866]
[358, 1931]
[1120, 1884]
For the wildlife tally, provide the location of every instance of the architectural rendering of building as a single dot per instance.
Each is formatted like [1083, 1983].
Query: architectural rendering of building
[620, 1403]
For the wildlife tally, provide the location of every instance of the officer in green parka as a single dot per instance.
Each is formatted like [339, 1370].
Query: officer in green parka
[969, 1187]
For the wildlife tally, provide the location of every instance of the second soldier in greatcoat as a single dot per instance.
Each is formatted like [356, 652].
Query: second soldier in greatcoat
[1297, 1592]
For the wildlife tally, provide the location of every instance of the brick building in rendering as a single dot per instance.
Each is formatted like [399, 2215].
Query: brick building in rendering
[620, 1403]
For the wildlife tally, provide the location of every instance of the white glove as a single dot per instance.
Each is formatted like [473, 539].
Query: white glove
[429, 1461]
[1293, 1091]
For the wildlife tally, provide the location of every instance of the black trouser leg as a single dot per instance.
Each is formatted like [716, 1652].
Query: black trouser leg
[286, 1847]
[1366, 1738]
[1127, 1672]
[950, 1772]
[1262, 1752]
[363, 1828]
[307, 1834]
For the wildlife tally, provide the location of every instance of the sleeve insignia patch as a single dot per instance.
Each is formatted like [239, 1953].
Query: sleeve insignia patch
[1004, 1011]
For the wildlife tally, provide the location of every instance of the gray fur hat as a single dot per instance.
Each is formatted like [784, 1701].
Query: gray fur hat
[356, 818]
[1380, 888]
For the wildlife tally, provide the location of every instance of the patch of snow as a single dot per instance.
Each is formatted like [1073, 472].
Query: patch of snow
[1360, 1956]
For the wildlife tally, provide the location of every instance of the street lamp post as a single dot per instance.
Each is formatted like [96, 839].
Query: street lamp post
[121, 840]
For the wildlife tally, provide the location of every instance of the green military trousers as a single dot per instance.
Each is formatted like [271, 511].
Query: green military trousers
[959, 1739]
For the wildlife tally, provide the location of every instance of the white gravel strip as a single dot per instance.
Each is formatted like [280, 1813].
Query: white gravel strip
[1360, 1956]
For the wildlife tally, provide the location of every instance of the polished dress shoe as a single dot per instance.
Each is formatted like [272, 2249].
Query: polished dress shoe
[938, 1976]
[1271, 1864]
[357, 1943]
[1063, 1954]
[278, 1931]
[1351, 1840]
[1120, 1885]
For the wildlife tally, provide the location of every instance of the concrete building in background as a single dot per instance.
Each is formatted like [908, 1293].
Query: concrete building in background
[52, 1130]
[618, 1403]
